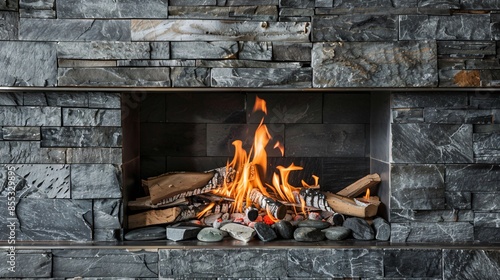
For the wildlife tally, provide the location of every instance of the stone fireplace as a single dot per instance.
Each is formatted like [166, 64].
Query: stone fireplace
[96, 96]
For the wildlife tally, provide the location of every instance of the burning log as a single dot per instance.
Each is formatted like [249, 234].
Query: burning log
[360, 186]
[314, 198]
[275, 208]
[350, 206]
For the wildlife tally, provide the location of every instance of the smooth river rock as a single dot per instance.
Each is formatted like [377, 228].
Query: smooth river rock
[210, 235]
[146, 233]
[360, 228]
[308, 234]
[284, 229]
[314, 224]
[265, 232]
[337, 233]
[239, 232]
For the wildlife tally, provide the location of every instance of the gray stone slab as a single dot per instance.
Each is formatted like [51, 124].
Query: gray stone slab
[8, 25]
[487, 234]
[104, 100]
[491, 220]
[296, 12]
[204, 50]
[38, 14]
[487, 128]
[358, 27]
[412, 263]
[428, 99]
[262, 77]
[222, 263]
[458, 200]
[351, 4]
[107, 213]
[471, 264]
[451, 63]
[147, 77]
[10, 5]
[295, 19]
[233, 63]
[460, 78]
[432, 232]
[91, 117]
[438, 115]
[485, 63]
[159, 50]
[36, 4]
[292, 51]
[94, 155]
[297, 3]
[456, 27]
[157, 63]
[325, 140]
[432, 143]
[480, 4]
[30, 116]
[400, 8]
[62, 219]
[490, 78]
[246, 2]
[80, 63]
[214, 30]
[95, 181]
[28, 263]
[21, 133]
[442, 4]
[335, 263]
[417, 187]
[192, 3]
[485, 201]
[74, 30]
[352, 64]
[68, 99]
[486, 148]
[106, 234]
[11, 98]
[323, 3]
[105, 263]
[407, 115]
[190, 77]
[28, 64]
[111, 9]
[110, 137]
[256, 51]
[495, 26]
[257, 13]
[431, 216]
[473, 178]
[29, 152]
[103, 50]
[466, 49]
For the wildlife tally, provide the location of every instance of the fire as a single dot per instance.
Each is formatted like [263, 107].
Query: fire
[367, 195]
[251, 167]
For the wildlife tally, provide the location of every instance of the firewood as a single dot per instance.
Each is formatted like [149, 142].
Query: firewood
[360, 186]
[144, 203]
[276, 208]
[314, 198]
[350, 206]
[163, 216]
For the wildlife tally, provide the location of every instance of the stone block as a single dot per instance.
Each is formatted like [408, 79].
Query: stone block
[95, 181]
[28, 263]
[190, 77]
[246, 2]
[74, 30]
[56, 219]
[256, 13]
[485, 149]
[104, 100]
[11, 98]
[325, 140]
[110, 137]
[9, 5]
[68, 99]
[460, 78]
[38, 14]
[440, 4]
[438, 115]
[103, 50]
[451, 63]
[262, 77]
[192, 3]
[233, 63]
[215, 30]
[432, 143]
[485, 63]
[487, 234]
[297, 3]
[157, 63]
[159, 50]
[466, 49]
[256, 51]
[107, 213]
[28, 64]
[486, 201]
[412, 263]
[309, 263]
[29, 152]
[222, 263]
[204, 50]
[495, 26]
[473, 178]
[8, 25]
[351, 64]
[30, 116]
[357, 27]
[21, 133]
[292, 51]
[323, 3]
[94, 155]
[91, 117]
[146, 77]
[39, 180]
[80, 63]
[179, 233]
[456, 27]
[103, 263]
[432, 232]
[480, 4]
[458, 200]
[408, 115]
[296, 13]
[462, 264]
[111, 9]
[417, 187]
[428, 99]
[489, 78]
[36, 4]
[487, 220]
[431, 216]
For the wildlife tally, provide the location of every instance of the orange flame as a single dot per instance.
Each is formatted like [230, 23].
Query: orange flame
[367, 195]
[260, 104]
[280, 147]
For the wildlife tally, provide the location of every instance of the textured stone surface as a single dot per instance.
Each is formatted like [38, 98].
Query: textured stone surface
[436, 115]
[382, 229]
[8, 26]
[179, 233]
[222, 263]
[362, 64]
[74, 30]
[239, 232]
[204, 50]
[209, 234]
[190, 77]
[39, 14]
[480, 4]
[458, 200]
[29, 152]
[28, 263]
[310, 263]
[147, 233]
[94, 155]
[418, 187]
[111, 9]
[261, 13]
[36, 4]
[407, 115]
[261, 77]
[486, 147]
[360, 228]
[104, 263]
[103, 50]
[432, 216]
[284, 229]
[107, 213]
[10, 5]
[265, 232]
[81, 137]
[485, 201]
[412, 263]
[91, 117]
[213, 30]
[147, 77]
[104, 100]
[62, 219]
[459, 49]
[355, 28]
[471, 264]
[431, 143]
[458, 27]
[337, 233]
[95, 181]
[232, 63]
[428, 99]
[432, 232]
[475, 178]
[256, 51]
[28, 64]
[292, 51]
[308, 234]
[30, 116]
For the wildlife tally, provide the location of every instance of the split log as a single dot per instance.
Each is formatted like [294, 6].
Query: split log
[144, 203]
[314, 198]
[360, 186]
[350, 206]
[275, 208]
